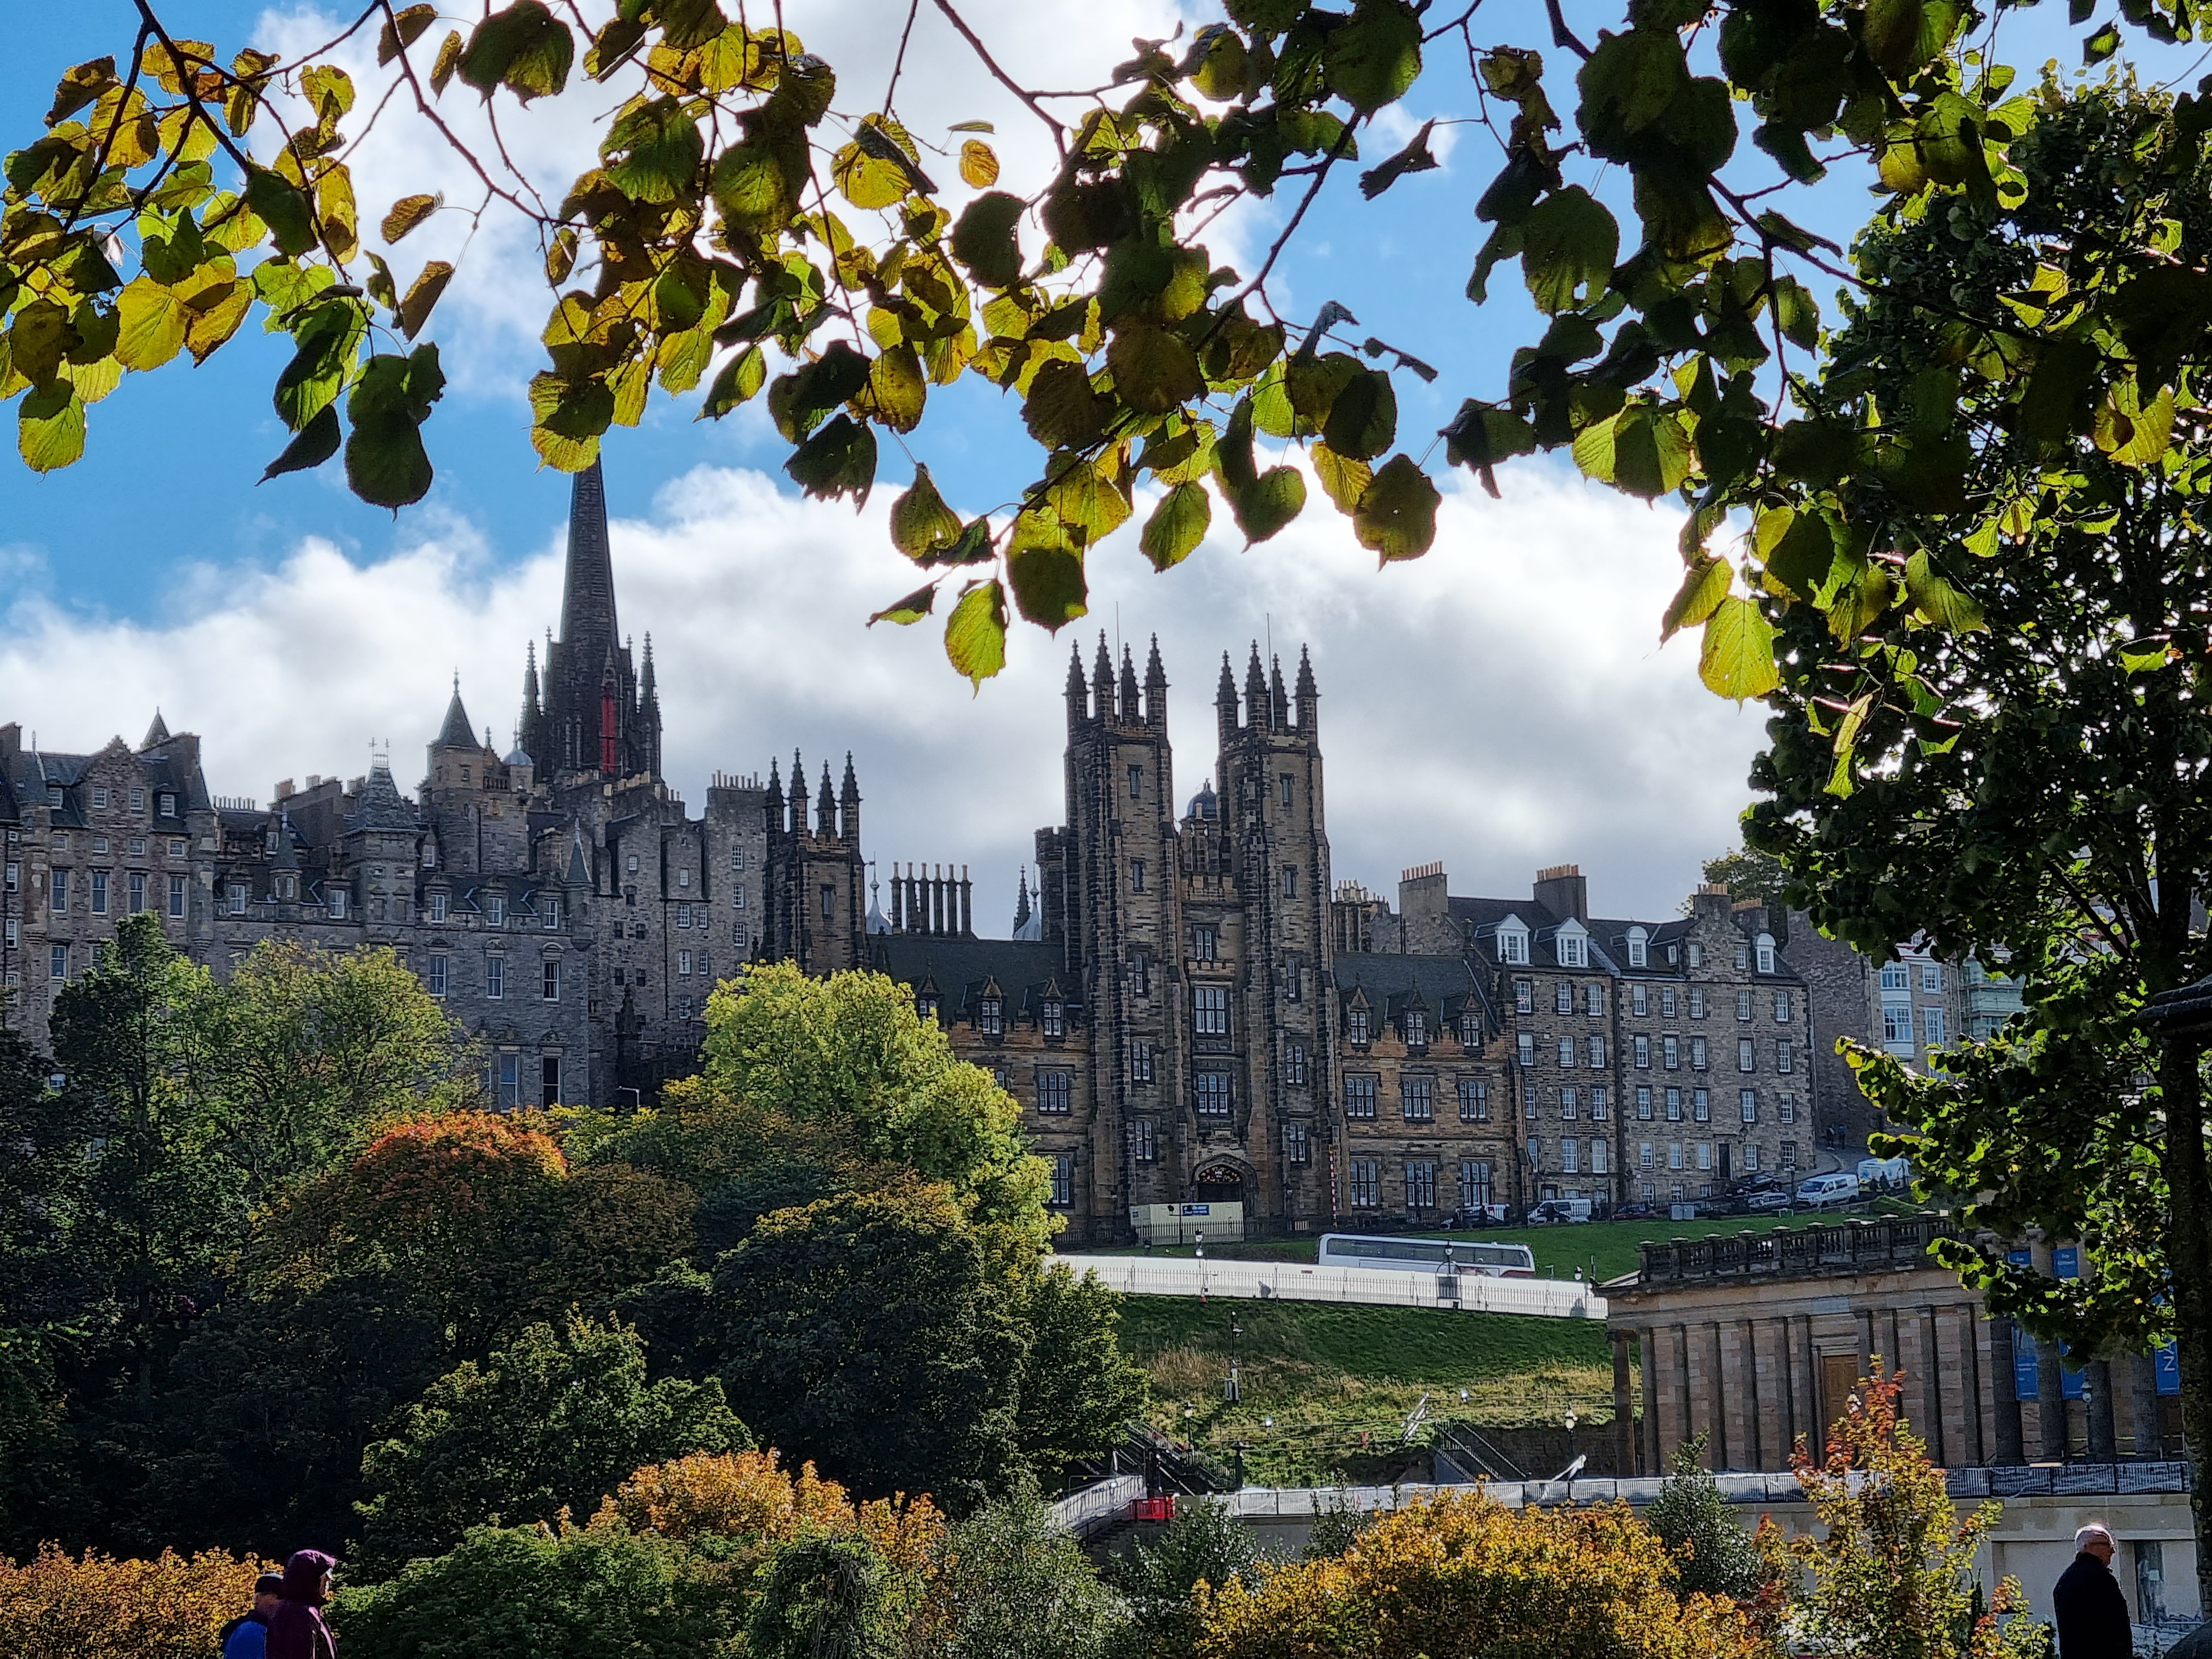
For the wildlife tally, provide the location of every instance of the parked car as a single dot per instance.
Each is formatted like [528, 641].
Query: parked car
[1642, 1210]
[1827, 1192]
[1766, 1202]
[1559, 1210]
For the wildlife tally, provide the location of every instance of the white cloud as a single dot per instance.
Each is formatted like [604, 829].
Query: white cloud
[1498, 705]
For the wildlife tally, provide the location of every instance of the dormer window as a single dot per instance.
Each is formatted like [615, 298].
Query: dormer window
[926, 1006]
[1573, 947]
[1053, 1017]
[1356, 1021]
[991, 1017]
[288, 887]
[53, 794]
[429, 854]
[166, 806]
[335, 897]
[496, 911]
[1417, 1028]
[1639, 948]
[550, 908]
[437, 907]
[1512, 942]
[1765, 947]
[1470, 1031]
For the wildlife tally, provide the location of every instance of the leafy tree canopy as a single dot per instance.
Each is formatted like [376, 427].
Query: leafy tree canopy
[548, 1423]
[747, 228]
[1749, 877]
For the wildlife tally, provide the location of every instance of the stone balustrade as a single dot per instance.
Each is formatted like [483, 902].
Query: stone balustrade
[1856, 1245]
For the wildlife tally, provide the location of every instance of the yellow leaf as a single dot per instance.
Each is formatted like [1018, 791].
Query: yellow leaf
[979, 167]
[1737, 657]
[152, 320]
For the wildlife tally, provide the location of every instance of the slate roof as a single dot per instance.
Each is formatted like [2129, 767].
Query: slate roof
[1445, 985]
[959, 970]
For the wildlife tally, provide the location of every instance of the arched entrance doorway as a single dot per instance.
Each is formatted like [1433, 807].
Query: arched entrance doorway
[1221, 1183]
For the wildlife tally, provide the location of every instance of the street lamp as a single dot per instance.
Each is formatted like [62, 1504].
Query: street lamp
[1234, 1392]
[1572, 1420]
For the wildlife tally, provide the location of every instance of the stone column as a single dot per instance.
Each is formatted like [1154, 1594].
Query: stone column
[1805, 1384]
[2104, 1439]
[1736, 1409]
[2007, 1446]
[1771, 1337]
[2051, 1441]
[1624, 1406]
[1916, 1358]
[2142, 1405]
[1648, 1341]
[1957, 1407]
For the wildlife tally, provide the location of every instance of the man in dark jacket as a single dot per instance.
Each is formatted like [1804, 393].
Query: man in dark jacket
[2093, 1614]
[247, 1635]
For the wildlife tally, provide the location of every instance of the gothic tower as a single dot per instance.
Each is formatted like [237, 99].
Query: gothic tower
[596, 719]
[815, 886]
[1113, 894]
[1273, 826]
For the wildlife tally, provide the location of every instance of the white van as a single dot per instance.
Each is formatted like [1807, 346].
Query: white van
[1824, 1192]
[1560, 1209]
[1885, 1173]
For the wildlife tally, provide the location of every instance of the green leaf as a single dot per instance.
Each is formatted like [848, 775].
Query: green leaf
[1154, 371]
[523, 46]
[386, 463]
[1273, 500]
[1397, 516]
[1703, 587]
[1900, 35]
[315, 443]
[1373, 59]
[1626, 86]
[1569, 243]
[1176, 526]
[570, 419]
[2101, 44]
[1362, 419]
[752, 188]
[1481, 435]
[660, 148]
[1062, 411]
[922, 526]
[983, 240]
[284, 207]
[1345, 477]
[2130, 433]
[1087, 501]
[50, 426]
[1802, 554]
[838, 460]
[1737, 657]
[975, 632]
[896, 390]
[910, 610]
[740, 379]
[1639, 449]
[152, 320]
[410, 22]
[1945, 604]
[799, 401]
[1046, 573]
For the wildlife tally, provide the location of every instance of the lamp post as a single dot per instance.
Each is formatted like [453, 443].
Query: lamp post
[1234, 1394]
[1572, 1420]
[1201, 1237]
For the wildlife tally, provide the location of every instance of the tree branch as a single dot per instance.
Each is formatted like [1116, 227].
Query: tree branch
[1058, 132]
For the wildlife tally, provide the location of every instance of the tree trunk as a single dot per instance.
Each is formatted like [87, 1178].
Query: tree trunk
[2189, 1262]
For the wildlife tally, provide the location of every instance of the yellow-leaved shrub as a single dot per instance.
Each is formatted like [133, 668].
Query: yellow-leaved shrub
[1455, 1576]
[57, 1605]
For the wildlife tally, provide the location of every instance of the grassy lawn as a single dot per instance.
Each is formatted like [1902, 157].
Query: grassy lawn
[1338, 1382]
[1600, 1249]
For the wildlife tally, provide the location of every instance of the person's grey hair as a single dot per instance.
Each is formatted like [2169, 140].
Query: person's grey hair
[2095, 1529]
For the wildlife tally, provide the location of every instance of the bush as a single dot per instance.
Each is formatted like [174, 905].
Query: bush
[1204, 1545]
[1454, 1576]
[1713, 1553]
[537, 1593]
[549, 1423]
[57, 1606]
[1010, 1583]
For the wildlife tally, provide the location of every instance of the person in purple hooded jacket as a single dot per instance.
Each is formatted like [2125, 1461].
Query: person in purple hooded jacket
[296, 1630]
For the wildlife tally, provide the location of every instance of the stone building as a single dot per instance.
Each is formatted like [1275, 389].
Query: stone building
[1753, 1339]
[559, 899]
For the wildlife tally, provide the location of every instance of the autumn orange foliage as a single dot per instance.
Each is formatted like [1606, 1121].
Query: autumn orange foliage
[1465, 1574]
[60, 1607]
[749, 1499]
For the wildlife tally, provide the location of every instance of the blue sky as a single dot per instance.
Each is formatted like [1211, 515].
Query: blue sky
[1495, 708]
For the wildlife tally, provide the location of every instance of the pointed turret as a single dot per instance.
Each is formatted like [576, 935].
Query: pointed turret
[156, 734]
[458, 732]
[1131, 714]
[1278, 701]
[849, 805]
[1022, 903]
[530, 730]
[1309, 694]
[825, 806]
[1156, 687]
[774, 798]
[1256, 692]
[797, 794]
[648, 691]
[1102, 679]
[1225, 701]
[1078, 693]
[287, 856]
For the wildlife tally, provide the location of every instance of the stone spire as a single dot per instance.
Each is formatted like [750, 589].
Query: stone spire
[1278, 701]
[1130, 712]
[1021, 902]
[1256, 691]
[848, 804]
[1156, 687]
[798, 792]
[1309, 693]
[157, 733]
[1225, 701]
[1078, 693]
[825, 806]
[457, 732]
[587, 593]
[1102, 678]
[529, 731]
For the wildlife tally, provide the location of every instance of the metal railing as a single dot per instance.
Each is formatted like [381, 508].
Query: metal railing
[1795, 1252]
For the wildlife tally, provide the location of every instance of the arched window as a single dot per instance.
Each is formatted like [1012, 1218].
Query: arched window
[1765, 947]
[1639, 946]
